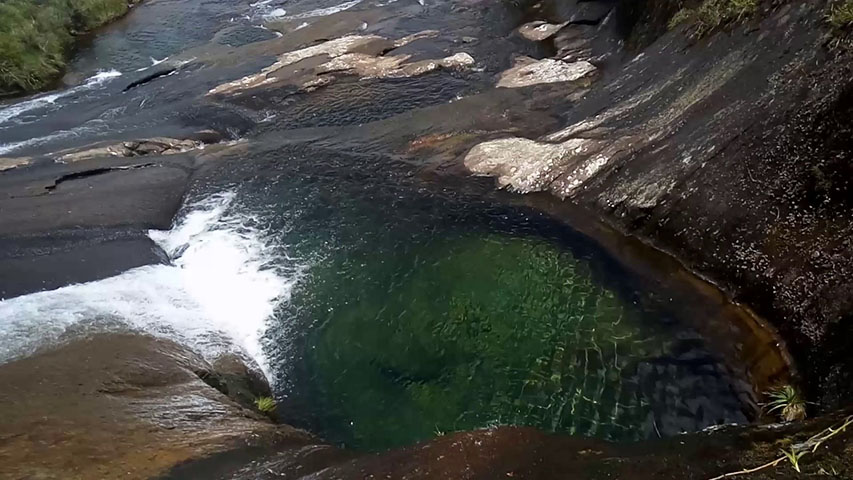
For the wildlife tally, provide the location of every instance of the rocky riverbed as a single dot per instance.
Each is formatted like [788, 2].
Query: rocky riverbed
[703, 179]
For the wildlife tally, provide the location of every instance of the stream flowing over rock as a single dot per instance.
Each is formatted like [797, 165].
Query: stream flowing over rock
[387, 239]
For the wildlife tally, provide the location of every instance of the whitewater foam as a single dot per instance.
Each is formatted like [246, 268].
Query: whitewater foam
[322, 12]
[44, 101]
[94, 125]
[216, 296]
[268, 11]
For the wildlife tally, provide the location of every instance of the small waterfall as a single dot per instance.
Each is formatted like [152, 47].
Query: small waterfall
[215, 297]
[15, 110]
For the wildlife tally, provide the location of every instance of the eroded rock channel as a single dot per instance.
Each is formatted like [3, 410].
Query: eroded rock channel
[452, 239]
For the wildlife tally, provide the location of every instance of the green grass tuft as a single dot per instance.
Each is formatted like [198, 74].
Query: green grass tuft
[36, 37]
[714, 13]
[841, 15]
[787, 402]
[265, 404]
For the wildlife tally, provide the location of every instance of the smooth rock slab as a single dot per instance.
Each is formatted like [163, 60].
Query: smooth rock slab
[528, 71]
[525, 165]
[367, 56]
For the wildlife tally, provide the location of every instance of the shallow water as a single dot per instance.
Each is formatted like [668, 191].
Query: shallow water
[384, 308]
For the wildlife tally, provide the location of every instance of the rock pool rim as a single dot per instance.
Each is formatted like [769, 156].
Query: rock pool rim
[768, 361]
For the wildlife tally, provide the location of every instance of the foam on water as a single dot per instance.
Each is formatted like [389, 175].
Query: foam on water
[215, 297]
[94, 125]
[267, 10]
[43, 101]
[322, 12]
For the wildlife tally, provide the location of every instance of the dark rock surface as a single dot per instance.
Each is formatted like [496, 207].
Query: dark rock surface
[63, 223]
[732, 153]
[32, 264]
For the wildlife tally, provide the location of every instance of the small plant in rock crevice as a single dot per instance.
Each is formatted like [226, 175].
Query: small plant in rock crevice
[793, 457]
[796, 451]
[714, 13]
[841, 15]
[265, 404]
[787, 402]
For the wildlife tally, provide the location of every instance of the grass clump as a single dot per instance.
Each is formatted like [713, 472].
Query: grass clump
[714, 13]
[841, 15]
[265, 404]
[788, 403]
[36, 37]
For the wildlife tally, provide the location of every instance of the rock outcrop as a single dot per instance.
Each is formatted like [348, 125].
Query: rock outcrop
[122, 406]
[366, 56]
[733, 153]
[135, 407]
[528, 71]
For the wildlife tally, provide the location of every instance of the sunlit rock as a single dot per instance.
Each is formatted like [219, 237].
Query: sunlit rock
[539, 30]
[528, 71]
[367, 56]
[10, 163]
[525, 165]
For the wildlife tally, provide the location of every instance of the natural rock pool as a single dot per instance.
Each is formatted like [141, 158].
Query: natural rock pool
[385, 303]
[417, 310]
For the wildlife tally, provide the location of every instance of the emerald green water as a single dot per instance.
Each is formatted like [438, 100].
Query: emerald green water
[419, 311]
[475, 331]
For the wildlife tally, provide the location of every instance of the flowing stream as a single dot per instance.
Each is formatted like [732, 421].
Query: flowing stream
[383, 310]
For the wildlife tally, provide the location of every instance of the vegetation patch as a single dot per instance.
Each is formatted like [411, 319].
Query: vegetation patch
[36, 37]
[841, 15]
[714, 13]
[788, 403]
[265, 404]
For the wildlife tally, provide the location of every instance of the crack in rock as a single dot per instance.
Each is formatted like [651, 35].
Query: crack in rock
[93, 172]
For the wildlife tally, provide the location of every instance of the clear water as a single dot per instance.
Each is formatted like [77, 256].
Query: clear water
[422, 311]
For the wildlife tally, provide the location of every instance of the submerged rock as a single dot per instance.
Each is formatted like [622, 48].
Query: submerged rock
[528, 71]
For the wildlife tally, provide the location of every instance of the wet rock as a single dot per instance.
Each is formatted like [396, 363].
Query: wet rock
[714, 152]
[93, 194]
[367, 56]
[238, 378]
[136, 407]
[539, 30]
[528, 71]
[135, 148]
[576, 42]
[46, 262]
[332, 49]
[517, 452]
[524, 165]
[119, 406]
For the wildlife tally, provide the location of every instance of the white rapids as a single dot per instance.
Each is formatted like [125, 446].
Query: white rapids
[16, 110]
[216, 297]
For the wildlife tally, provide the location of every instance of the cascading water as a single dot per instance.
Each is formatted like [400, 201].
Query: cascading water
[216, 296]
